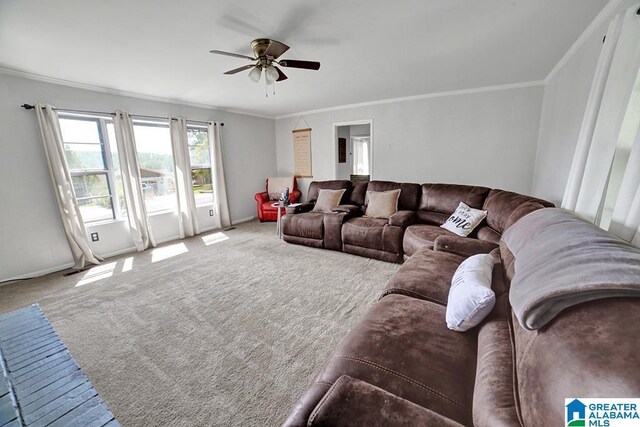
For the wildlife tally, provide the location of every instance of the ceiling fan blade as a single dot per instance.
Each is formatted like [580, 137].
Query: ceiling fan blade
[235, 55]
[237, 70]
[294, 63]
[281, 76]
[276, 49]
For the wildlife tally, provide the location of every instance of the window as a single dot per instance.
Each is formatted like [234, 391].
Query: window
[155, 158]
[198, 141]
[360, 146]
[88, 151]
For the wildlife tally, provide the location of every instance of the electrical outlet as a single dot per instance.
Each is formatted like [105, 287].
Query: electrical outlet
[210, 212]
[94, 237]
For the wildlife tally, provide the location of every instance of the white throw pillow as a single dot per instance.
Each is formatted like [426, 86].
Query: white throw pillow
[464, 220]
[328, 200]
[470, 297]
[382, 204]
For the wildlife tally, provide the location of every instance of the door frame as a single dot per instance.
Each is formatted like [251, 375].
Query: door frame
[335, 143]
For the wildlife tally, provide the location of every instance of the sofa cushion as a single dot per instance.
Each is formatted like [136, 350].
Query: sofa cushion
[358, 194]
[426, 275]
[350, 402]
[444, 198]
[421, 236]
[309, 225]
[337, 184]
[372, 233]
[328, 200]
[432, 218]
[494, 397]
[590, 350]
[501, 205]
[402, 346]
[409, 196]
[382, 204]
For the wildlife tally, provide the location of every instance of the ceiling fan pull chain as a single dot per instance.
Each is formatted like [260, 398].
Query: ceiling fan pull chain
[266, 87]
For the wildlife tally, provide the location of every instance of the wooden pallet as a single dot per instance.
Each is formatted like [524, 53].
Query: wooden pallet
[42, 385]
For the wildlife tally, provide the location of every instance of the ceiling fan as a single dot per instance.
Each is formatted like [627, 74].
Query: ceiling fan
[266, 53]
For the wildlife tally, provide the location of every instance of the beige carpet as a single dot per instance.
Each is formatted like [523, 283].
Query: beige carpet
[196, 334]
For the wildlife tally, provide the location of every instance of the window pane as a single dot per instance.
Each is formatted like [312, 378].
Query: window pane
[117, 175]
[84, 156]
[198, 147]
[92, 185]
[202, 188]
[74, 130]
[98, 209]
[153, 143]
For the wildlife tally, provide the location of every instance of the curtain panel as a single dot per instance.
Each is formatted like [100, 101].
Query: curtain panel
[139, 225]
[67, 204]
[604, 180]
[187, 214]
[221, 204]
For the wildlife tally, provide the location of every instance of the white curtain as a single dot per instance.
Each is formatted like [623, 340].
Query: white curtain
[63, 187]
[222, 217]
[187, 214]
[625, 221]
[607, 116]
[139, 225]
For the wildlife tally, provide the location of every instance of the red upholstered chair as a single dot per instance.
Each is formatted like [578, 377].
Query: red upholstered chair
[266, 212]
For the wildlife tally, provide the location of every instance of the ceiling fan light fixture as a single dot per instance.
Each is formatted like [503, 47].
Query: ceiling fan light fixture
[271, 74]
[255, 74]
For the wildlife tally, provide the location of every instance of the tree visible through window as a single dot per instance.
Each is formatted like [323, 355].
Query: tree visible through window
[198, 141]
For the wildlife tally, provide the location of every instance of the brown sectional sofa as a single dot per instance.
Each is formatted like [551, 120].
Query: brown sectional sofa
[401, 365]
[416, 225]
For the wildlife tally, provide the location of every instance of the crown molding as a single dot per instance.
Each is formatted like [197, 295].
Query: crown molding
[597, 21]
[39, 77]
[419, 97]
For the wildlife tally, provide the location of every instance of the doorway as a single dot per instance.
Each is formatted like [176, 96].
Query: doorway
[354, 150]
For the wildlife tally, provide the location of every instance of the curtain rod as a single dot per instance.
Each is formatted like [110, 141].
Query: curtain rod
[31, 107]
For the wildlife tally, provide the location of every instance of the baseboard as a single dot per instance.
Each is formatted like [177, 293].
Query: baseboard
[38, 273]
[118, 252]
[241, 220]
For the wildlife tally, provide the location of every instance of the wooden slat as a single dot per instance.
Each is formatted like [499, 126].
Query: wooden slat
[46, 382]
[58, 407]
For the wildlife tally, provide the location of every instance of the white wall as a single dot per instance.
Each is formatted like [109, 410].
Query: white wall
[485, 138]
[565, 99]
[31, 236]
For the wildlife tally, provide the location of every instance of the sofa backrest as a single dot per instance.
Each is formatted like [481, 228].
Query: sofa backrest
[358, 193]
[505, 207]
[439, 201]
[336, 184]
[409, 194]
[588, 350]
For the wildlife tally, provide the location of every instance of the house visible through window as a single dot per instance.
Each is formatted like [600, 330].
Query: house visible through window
[198, 141]
[90, 156]
[155, 158]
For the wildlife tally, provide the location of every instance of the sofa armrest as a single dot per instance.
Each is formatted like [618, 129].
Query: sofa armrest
[261, 197]
[463, 246]
[305, 207]
[350, 209]
[402, 218]
[294, 196]
[354, 402]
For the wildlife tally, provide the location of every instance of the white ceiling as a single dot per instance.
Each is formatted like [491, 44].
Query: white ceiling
[369, 50]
